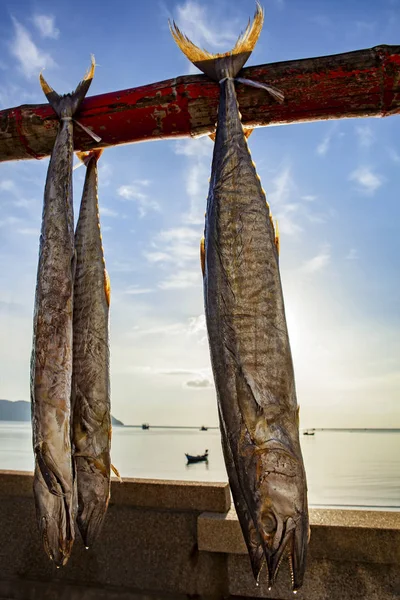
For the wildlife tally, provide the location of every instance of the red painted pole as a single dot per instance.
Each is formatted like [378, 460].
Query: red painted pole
[364, 83]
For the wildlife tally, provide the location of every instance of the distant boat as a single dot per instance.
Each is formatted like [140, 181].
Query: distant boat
[203, 428]
[198, 458]
[145, 426]
[309, 432]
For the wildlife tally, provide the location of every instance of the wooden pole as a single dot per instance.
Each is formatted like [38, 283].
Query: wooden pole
[364, 83]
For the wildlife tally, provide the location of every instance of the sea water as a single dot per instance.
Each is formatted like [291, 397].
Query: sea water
[344, 468]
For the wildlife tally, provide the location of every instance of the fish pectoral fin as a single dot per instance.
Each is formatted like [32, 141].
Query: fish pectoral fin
[248, 132]
[254, 389]
[264, 401]
[116, 473]
[48, 471]
[203, 255]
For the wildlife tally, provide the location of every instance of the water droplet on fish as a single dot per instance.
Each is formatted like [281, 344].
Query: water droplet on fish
[86, 547]
[57, 567]
[294, 591]
[257, 584]
[269, 589]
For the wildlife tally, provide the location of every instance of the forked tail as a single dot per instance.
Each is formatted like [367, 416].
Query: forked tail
[66, 106]
[86, 157]
[217, 66]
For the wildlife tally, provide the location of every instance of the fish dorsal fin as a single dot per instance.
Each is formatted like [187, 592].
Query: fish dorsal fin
[107, 287]
[203, 255]
[238, 56]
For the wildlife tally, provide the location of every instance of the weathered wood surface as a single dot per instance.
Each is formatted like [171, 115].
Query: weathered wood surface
[364, 83]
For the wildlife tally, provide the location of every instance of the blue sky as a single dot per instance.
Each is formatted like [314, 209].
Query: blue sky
[334, 187]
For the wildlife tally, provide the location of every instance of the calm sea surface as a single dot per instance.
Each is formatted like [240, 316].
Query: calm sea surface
[344, 468]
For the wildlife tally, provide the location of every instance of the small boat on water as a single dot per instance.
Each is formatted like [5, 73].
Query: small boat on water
[203, 428]
[145, 426]
[198, 458]
[309, 432]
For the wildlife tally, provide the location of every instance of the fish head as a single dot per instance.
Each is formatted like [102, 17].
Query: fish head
[282, 512]
[55, 524]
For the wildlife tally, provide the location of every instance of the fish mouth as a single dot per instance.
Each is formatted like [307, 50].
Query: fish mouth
[56, 549]
[90, 522]
[294, 546]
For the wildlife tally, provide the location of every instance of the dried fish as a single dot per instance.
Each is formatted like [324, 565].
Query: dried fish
[91, 362]
[51, 362]
[249, 343]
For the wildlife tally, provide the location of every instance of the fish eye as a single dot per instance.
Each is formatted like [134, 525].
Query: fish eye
[269, 522]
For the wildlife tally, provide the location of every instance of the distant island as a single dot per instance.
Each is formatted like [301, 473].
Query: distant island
[20, 410]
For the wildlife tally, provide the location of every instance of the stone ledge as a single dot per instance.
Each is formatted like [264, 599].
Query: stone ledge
[343, 535]
[172, 495]
[140, 493]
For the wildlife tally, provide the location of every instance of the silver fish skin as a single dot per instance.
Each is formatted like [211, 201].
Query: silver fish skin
[248, 338]
[51, 361]
[91, 363]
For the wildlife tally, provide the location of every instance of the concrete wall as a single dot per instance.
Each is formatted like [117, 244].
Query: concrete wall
[166, 539]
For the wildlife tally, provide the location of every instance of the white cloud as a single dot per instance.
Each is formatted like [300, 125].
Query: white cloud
[29, 231]
[194, 20]
[368, 181]
[105, 173]
[197, 325]
[196, 173]
[46, 26]
[200, 383]
[279, 200]
[158, 257]
[134, 192]
[135, 290]
[318, 262]
[193, 327]
[121, 266]
[7, 185]
[9, 221]
[365, 26]
[353, 254]
[181, 279]
[32, 60]
[198, 147]
[309, 198]
[324, 146]
[394, 156]
[193, 378]
[364, 135]
[198, 379]
[107, 212]
[179, 246]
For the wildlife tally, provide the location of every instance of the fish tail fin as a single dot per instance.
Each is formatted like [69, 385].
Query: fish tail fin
[218, 66]
[85, 157]
[67, 106]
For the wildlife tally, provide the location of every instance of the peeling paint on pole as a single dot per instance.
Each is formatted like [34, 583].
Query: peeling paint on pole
[365, 83]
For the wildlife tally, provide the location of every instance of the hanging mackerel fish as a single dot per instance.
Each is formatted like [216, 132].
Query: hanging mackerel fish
[51, 363]
[249, 344]
[91, 362]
